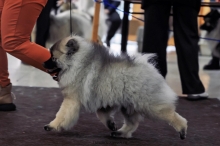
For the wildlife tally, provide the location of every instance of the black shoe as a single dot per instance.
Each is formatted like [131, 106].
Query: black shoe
[212, 65]
[7, 107]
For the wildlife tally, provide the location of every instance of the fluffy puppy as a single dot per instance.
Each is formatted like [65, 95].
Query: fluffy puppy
[100, 82]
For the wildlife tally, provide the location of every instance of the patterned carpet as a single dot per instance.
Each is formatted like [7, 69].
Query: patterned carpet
[38, 106]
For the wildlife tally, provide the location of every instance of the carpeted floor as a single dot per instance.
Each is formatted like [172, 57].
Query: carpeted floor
[38, 106]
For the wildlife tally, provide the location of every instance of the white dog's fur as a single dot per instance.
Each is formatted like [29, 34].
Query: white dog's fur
[82, 22]
[100, 82]
[60, 25]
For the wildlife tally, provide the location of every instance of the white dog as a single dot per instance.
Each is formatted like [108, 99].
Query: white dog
[82, 22]
[90, 77]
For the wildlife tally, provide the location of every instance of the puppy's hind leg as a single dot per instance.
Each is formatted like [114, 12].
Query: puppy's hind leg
[66, 117]
[105, 115]
[169, 115]
[131, 124]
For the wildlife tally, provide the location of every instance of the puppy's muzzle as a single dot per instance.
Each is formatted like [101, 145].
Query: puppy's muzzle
[51, 66]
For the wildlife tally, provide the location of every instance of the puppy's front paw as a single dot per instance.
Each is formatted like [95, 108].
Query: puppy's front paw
[182, 134]
[48, 128]
[52, 127]
[111, 125]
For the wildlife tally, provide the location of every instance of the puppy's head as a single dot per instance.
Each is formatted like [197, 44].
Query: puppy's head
[62, 53]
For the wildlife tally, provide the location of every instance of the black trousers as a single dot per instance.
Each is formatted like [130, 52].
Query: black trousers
[115, 23]
[186, 41]
[43, 23]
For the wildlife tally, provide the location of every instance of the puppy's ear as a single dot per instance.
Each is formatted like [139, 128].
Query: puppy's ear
[72, 46]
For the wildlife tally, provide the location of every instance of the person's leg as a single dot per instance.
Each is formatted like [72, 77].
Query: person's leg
[186, 41]
[17, 21]
[55, 7]
[43, 24]
[6, 100]
[156, 34]
[115, 22]
[4, 80]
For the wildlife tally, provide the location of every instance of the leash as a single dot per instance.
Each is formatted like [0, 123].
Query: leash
[71, 30]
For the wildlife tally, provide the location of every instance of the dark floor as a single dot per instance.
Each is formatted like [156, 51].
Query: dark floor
[38, 106]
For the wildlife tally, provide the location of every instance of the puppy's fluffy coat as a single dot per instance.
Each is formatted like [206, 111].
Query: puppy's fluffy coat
[100, 82]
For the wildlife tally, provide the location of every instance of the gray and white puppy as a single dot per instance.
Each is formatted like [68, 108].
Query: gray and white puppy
[92, 78]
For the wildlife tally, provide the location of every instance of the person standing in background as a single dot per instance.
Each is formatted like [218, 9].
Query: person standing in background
[186, 38]
[214, 63]
[113, 18]
[43, 23]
